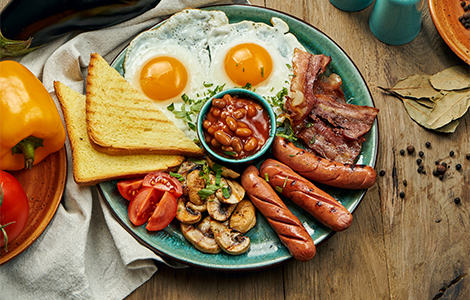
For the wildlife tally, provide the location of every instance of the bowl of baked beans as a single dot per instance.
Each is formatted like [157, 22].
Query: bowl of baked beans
[236, 126]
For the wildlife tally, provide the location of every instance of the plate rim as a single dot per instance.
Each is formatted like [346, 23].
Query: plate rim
[449, 40]
[55, 202]
[353, 208]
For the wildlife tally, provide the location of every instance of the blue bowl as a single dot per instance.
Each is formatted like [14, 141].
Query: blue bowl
[241, 93]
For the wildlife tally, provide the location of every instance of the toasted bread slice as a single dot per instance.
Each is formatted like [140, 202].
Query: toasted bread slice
[122, 121]
[90, 166]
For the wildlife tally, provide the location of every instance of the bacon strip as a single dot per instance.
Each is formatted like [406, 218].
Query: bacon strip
[328, 143]
[354, 120]
[306, 69]
[320, 116]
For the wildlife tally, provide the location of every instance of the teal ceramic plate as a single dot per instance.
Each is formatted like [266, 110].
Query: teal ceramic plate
[266, 249]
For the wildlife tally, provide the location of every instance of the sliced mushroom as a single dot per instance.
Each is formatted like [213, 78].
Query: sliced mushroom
[226, 172]
[244, 217]
[231, 241]
[195, 183]
[201, 208]
[200, 236]
[185, 214]
[235, 191]
[217, 210]
[185, 168]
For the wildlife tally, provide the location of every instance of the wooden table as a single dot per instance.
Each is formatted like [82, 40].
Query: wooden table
[417, 247]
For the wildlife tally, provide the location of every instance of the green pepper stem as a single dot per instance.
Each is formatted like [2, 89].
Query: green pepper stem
[27, 146]
[14, 47]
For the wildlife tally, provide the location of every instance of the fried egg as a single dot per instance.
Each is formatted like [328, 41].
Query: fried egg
[172, 60]
[254, 53]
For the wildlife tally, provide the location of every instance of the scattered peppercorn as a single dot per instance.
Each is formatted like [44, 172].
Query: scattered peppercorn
[462, 3]
[421, 153]
[457, 200]
[428, 144]
[467, 156]
[441, 176]
[458, 167]
[419, 161]
[402, 195]
[410, 149]
[434, 173]
[436, 162]
[382, 173]
[451, 153]
[405, 183]
[402, 152]
[438, 220]
[444, 164]
[421, 169]
[440, 169]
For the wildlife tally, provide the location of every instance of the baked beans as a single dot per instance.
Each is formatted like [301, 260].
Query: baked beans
[236, 127]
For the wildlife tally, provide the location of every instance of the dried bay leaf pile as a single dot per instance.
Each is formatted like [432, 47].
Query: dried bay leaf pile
[435, 101]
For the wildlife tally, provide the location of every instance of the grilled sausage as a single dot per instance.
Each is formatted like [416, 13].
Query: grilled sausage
[305, 194]
[311, 166]
[288, 227]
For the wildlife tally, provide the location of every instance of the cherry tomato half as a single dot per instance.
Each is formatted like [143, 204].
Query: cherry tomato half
[143, 205]
[163, 182]
[129, 188]
[163, 214]
[14, 208]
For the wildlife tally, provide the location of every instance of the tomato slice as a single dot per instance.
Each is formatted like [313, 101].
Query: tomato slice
[143, 205]
[163, 182]
[163, 214]
[129, 188]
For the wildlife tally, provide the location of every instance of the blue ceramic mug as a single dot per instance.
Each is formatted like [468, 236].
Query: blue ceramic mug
[396, 22]
[351, 5]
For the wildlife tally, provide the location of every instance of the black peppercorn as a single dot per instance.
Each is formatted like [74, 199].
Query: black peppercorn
[451, 153]
[419, 161]
[467, 156]
[434, 173]
[402, 152]
[402, 195]
[382, 173]
[457, 200]
[410, 149]
[436, 162]
[419, 170]
[458, 167]
[444, 164]
[421, 153]
[405, 183]
[428, 144]
[441, 176]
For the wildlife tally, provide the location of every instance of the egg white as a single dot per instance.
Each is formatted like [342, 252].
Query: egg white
[275, 39]
[184, 37]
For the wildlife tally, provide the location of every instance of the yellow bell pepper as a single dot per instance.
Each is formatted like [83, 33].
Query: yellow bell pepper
[30, 124]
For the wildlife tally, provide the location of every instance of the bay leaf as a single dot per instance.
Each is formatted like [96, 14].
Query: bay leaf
[453, 78]
[449, 128]
[420, 115]
[415, 86]
[426, 102]
[450, 106]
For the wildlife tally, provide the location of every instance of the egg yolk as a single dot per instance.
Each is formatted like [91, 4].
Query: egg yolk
[163, 78]
[248, 63]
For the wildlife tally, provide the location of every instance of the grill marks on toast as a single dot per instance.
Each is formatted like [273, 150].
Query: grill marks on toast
[122, 121]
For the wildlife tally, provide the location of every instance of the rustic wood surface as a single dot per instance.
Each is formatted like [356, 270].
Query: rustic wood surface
[417, 247]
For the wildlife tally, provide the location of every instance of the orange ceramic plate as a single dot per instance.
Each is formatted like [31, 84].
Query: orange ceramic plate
[44, 185]
[445, 15]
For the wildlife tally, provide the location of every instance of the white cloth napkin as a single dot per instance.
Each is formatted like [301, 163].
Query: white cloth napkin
[84, 253]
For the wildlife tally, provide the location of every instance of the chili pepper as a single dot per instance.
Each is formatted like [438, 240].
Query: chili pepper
[30, 125]
[47, 20]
